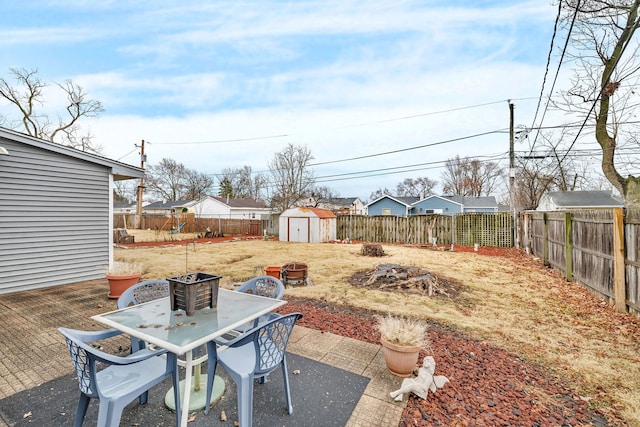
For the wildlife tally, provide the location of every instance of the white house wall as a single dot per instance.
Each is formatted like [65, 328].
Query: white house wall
[212, 208]
[54, 218]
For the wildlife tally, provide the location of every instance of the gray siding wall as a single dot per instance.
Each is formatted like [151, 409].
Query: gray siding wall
[377, 208]
[448, 207]
[54, 218]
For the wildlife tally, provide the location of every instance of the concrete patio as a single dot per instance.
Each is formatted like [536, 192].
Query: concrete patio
[32, 352]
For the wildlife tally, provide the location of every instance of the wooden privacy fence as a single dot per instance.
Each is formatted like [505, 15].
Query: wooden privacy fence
[193, 224]
[485, 229]
[597, 248]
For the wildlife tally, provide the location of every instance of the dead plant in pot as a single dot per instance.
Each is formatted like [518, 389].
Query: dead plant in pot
[121, 276]
[402, 339]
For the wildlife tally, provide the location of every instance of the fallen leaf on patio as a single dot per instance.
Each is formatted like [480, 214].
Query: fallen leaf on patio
[223, 416]
[179, 324]
[27, 415]
[168, 327]
[192, 418]
[193, 323]
[235, 423]
[100, 305]
[296, 372]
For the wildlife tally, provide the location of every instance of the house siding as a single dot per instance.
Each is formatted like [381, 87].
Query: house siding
[444, 206]
[54, 218]
[378, 207]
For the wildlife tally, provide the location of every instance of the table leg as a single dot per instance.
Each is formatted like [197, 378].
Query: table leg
[187, 388]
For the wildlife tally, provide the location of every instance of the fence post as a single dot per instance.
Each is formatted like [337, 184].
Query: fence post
[568, 247]
[619, 285]
[545, 240]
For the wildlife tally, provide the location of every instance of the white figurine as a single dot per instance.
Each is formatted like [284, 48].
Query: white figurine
[423, 383]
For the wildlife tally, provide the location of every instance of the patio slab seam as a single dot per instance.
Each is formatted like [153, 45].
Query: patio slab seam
[375, 407]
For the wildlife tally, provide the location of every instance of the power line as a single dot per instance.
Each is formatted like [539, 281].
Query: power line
[409, 148]
[555, 79]
[428, 114]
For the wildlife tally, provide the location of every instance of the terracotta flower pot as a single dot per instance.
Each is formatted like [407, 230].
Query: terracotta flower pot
[400, 360]
[119, 284]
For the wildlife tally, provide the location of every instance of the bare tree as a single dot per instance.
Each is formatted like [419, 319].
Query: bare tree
[170, 180]
[532, 182]
[196, 184]
[244, 183]
[470, 177]
[292, 178]
[604, 86]
[548, 168]
[379, 193]
[419, 187]
[125, 190]
[322, 194]
[28, 95]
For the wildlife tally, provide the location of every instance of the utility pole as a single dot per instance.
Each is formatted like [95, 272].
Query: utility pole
[143, 158]
[512, 175]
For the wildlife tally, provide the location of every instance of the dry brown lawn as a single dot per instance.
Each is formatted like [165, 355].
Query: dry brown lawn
[514, 303]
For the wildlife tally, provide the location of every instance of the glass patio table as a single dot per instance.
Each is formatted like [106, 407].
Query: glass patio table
[155, 323]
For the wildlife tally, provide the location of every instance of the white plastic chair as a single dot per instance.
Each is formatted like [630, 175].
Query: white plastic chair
[121, 381]
[253, 355]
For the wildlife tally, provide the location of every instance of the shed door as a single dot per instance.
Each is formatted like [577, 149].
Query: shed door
[299, 230]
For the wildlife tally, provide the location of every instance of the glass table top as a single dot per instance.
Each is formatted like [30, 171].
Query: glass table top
[156, 323]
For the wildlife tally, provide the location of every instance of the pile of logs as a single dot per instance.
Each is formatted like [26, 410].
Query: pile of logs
[408, 278]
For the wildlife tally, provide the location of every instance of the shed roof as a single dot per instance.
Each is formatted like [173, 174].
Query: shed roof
[474, 202]
[579, 199]
[308, 212]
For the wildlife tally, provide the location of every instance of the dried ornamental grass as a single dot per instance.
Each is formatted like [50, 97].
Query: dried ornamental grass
[120, 268]
[403, 331]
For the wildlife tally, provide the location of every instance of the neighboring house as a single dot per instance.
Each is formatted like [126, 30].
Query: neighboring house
[220, 207]
[481, 204]
[437, 205]
[124, 208]
[595, 199]
[164, 207]
[343, 205]
[211, 207]
[443, 205]
[389, 205]
[56, 211]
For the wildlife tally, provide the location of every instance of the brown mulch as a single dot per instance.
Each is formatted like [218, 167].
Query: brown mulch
[188, 241]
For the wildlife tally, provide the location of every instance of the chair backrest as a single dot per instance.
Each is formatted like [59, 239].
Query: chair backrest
[270, 341]
[142, 292]
[265, 286]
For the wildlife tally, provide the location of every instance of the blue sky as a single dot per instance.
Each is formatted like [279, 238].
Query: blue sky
[225, 84]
